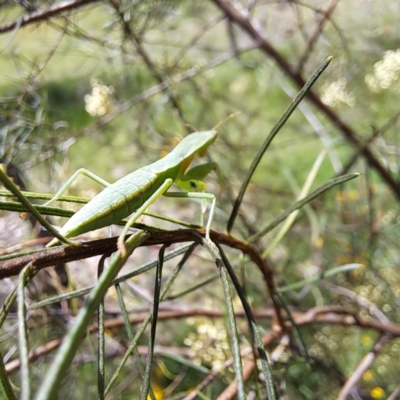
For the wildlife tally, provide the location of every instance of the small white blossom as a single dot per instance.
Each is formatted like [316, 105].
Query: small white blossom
[386, 72]
[99, 102]
[336, 93]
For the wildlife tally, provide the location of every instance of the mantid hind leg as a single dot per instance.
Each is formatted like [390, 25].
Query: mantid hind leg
[80, 171]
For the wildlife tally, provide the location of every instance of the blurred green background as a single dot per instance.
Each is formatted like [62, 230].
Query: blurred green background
[74, 93]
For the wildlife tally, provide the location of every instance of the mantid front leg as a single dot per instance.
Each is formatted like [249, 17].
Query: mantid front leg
[162, 191]
[192, 182]
[202, 196]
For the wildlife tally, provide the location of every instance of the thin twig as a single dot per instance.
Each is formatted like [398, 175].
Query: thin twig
[314, 37]
[363, 366]
[44, 15]
[317, 315]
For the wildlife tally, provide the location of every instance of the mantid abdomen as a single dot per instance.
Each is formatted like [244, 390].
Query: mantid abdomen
[116, 201]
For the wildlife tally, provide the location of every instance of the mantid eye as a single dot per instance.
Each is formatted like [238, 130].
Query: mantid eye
[193, 185]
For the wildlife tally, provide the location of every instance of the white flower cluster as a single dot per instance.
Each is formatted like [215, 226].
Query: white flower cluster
[209, 344]
[386, 72]
[336, 93]
[100, 101]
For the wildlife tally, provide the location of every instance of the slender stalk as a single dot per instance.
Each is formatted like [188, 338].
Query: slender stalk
[121, 278]
[100, 335]
[300, 203]
[23, 336]
[210, 247]
[154, 314]
[6, 391]
[12, 187]
[256, 338]
[270, 137]
[143, 326]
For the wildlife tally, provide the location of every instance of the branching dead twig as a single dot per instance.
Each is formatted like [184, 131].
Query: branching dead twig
[317, 33]
[44, 15]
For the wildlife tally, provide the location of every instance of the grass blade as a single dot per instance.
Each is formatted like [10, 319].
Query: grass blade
[100, 333]
[318, 277]
[143, 326]
[270, 137]
[6, 391]
[10, 300]
[121, 278]
[10, 185]
[291, 218]
[80, 200]
[23, 336]
[300, 203]
[296, 330]
[129, 332]
[156, 303]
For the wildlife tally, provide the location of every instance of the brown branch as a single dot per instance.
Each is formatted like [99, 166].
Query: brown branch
[55, 255]
[43, 15]
[63, 254]
[245, 23]
[332, 315]
[41, 351]
[363, 366]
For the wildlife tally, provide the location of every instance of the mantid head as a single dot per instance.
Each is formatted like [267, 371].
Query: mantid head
[195, 144]
[192, 181]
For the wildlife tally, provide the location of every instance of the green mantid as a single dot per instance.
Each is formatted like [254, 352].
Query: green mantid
[135, 192]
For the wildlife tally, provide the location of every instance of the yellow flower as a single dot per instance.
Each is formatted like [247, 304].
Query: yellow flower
[340, 196]
[365, 340]
[319, 242]
[158, 393]
[368, 375]
[377, 392]
[353, 195]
